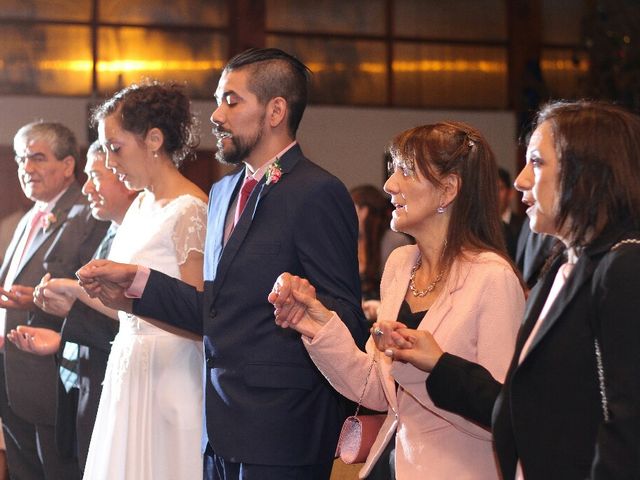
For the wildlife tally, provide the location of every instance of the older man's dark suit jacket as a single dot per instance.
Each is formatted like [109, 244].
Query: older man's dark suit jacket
[68, 243]
[266, 403]
[549, 412]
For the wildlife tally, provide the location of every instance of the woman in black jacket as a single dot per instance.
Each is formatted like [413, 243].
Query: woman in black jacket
[570, 405]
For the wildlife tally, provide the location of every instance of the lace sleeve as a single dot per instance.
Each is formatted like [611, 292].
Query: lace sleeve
[189, 230]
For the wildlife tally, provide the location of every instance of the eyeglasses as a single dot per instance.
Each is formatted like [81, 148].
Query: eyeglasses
[34, 157]
[393, 165]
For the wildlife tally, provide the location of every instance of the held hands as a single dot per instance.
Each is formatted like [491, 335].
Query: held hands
[296, 306]
[381, 333]
[19, 297]
[108, 281]
[39, 341]
[55, 296]
[417, 347]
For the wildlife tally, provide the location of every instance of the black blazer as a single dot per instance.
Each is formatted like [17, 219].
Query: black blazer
[266, 403]
[549, 412]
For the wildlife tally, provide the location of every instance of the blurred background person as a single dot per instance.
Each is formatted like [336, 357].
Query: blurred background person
[376, 241]
[532, 253]
[570, 407]
[511, 220]
[57, 235]
[84, 343]
[457, 282]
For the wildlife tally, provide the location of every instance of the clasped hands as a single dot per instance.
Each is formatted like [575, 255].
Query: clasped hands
[101, 279]
[417, 347]
[296, 306]
[108, 281]
[55, 296]
[19, 297]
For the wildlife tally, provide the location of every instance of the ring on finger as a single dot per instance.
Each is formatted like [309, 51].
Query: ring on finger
[378, 332]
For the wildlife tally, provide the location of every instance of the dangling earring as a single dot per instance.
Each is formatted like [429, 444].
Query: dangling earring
[441, 209]
[155, 154]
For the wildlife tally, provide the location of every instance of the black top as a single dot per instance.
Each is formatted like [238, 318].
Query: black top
[409, 318]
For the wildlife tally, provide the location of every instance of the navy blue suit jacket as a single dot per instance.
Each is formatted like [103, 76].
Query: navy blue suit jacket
[266, 403]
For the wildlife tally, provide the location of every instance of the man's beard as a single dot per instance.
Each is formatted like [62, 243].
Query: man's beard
[240, 150]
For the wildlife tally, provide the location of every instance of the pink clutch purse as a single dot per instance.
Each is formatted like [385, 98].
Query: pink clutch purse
[357, 436]
[359, 432]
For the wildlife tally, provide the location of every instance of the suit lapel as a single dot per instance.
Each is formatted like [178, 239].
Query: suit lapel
[60, 212]
[396, 290]
[287, 163]
[223, 260]
[15, 241]
[393, 297]
[582, 272]
[444, 303]
[219, 203]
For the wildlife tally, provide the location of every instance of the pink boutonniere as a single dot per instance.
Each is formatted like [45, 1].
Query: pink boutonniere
[49, 220]
[274, 172]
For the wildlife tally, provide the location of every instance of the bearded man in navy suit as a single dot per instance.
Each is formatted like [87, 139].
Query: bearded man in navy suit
[269, 413]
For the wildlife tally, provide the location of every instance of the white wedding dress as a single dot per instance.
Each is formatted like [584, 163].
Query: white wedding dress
[149, 422]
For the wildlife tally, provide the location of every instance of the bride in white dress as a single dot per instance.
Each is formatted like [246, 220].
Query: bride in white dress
[149, 422]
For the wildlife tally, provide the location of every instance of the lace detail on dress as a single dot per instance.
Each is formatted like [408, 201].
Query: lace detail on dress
[190, 229]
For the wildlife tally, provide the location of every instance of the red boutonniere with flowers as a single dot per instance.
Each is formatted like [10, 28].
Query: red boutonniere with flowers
[274, 172]
[48, 220]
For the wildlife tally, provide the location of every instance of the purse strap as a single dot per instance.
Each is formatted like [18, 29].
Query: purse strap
[364, 389]
[599, 365]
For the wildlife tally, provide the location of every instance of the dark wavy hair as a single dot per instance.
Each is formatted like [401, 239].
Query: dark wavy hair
[456, 148]
[598, 149]
[275, 73]
[375, 226]
[155, 105]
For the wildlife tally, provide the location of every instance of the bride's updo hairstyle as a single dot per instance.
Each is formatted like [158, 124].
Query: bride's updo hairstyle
[154, 105]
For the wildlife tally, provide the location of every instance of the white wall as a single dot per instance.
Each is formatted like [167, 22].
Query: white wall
[347, 141]
[350, 142]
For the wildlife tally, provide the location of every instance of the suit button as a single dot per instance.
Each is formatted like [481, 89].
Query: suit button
[210, 362]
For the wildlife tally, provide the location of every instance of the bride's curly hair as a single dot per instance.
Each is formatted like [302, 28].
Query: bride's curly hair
[141, 107]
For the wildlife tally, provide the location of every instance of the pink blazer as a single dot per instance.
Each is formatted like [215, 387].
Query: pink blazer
[476, 316]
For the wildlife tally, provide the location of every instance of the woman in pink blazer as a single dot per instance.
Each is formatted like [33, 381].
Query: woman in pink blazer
[456, 282]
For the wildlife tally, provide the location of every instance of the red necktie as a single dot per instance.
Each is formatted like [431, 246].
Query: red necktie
[247, 187]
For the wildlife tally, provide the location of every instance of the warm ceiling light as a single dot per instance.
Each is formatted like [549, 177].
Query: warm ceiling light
[118, 66]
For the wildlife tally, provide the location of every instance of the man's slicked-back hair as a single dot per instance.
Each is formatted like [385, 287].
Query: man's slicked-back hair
[275, 73]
